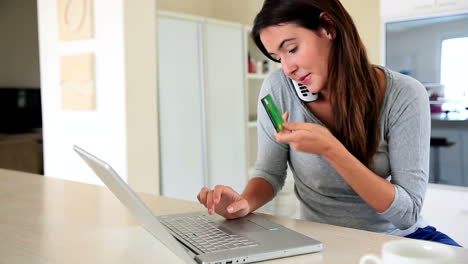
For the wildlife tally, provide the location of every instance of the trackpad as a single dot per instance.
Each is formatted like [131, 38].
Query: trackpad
[267, 224]
[240, 226]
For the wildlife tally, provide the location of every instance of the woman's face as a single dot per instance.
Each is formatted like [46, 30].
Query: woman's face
[303, 53]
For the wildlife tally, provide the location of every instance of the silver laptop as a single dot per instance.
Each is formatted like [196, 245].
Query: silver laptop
[203, 238]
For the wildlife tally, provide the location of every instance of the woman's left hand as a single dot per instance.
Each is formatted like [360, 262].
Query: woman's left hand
[307, 137]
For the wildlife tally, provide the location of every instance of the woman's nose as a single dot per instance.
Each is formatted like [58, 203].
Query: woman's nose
[289, 67]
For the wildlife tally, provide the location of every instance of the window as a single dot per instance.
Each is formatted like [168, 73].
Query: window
[454, 68]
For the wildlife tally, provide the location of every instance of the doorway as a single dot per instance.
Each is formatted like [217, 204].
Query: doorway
[20, 94]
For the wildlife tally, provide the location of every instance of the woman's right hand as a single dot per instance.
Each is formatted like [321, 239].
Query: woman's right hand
[224, 201]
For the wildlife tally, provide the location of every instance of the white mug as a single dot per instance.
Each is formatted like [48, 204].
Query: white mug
[411, 251]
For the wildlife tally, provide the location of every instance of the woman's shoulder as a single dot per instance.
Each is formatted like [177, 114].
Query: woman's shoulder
[404, 96]
[274, 83]
[402, 85]
[276, 78]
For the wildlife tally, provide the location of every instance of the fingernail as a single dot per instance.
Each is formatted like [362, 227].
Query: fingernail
[230, 209]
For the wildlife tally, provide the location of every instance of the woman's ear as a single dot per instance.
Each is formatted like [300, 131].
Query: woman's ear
[329, 25]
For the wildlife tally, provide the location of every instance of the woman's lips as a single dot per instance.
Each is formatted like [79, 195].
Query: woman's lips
[305, 79]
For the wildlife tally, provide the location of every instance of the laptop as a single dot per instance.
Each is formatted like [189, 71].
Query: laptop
[203, 238]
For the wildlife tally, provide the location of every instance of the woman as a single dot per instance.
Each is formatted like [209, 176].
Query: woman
[360, 152]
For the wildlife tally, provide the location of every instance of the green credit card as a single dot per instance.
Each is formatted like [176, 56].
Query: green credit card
[273, 112]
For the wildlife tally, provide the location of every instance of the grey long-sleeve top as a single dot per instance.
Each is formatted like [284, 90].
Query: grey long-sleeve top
[402, 158]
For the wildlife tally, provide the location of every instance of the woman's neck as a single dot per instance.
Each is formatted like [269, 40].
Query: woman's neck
[324, 95]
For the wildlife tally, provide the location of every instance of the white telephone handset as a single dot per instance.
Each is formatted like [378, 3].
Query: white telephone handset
[303, 93]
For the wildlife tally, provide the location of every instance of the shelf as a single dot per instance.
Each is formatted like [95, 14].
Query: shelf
[252, 124]
[256, 76]
[446, 101]
[450, 116]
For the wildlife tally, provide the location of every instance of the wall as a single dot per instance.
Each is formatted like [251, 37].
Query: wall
[366, 16]
[141, 95]
[125, 95]
[192, 7]
[19, 52]
[241, 11]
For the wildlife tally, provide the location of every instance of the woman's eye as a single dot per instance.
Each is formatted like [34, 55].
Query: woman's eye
[277, 58]
[293, 50]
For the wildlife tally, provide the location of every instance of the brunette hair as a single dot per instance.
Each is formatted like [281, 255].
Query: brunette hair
[355, 94]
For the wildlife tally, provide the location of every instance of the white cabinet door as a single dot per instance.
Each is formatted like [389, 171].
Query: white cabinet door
[450, 158]
[421, 7]
[225, 104]
[395, 8]
[465, 157]
[202, 105]
[449, 5]
[180, 115]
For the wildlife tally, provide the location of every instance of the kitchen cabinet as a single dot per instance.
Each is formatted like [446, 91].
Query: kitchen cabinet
[448, 5]
[451, 159]
[452, 5]
[180, 117]
[254, 81]
[201, 104]
[422, 7]
[225, 104]
[400, 9]
[464, 158]
[22, 152]
[395, 8]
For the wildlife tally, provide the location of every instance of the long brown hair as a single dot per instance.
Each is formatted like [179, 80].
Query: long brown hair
[355, 94]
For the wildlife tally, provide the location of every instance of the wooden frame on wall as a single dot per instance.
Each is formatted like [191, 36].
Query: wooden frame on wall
[77, 82]
[75, 19]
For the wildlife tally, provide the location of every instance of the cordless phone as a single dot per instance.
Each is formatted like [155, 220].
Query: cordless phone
[303, 93]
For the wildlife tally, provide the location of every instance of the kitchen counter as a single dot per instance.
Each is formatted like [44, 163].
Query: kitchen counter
[453, 119]
[46, 220]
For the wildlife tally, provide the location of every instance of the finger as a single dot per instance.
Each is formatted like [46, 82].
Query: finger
[237, 206]
[295, 126]
[225, 190]
[210, 204]
[286, 116]
[218, 191]
[291, 137]
[199, 195]
[203, 193]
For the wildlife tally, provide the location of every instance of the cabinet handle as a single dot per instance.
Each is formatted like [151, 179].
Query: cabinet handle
[447, 4]
[463, 213]
[423, 6]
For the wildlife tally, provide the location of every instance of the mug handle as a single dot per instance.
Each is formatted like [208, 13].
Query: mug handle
[370, 257]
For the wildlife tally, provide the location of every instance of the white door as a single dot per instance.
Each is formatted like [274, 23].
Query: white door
[180, 108]
[225, 104]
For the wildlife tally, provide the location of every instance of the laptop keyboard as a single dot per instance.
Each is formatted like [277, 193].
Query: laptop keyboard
[204, 234]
